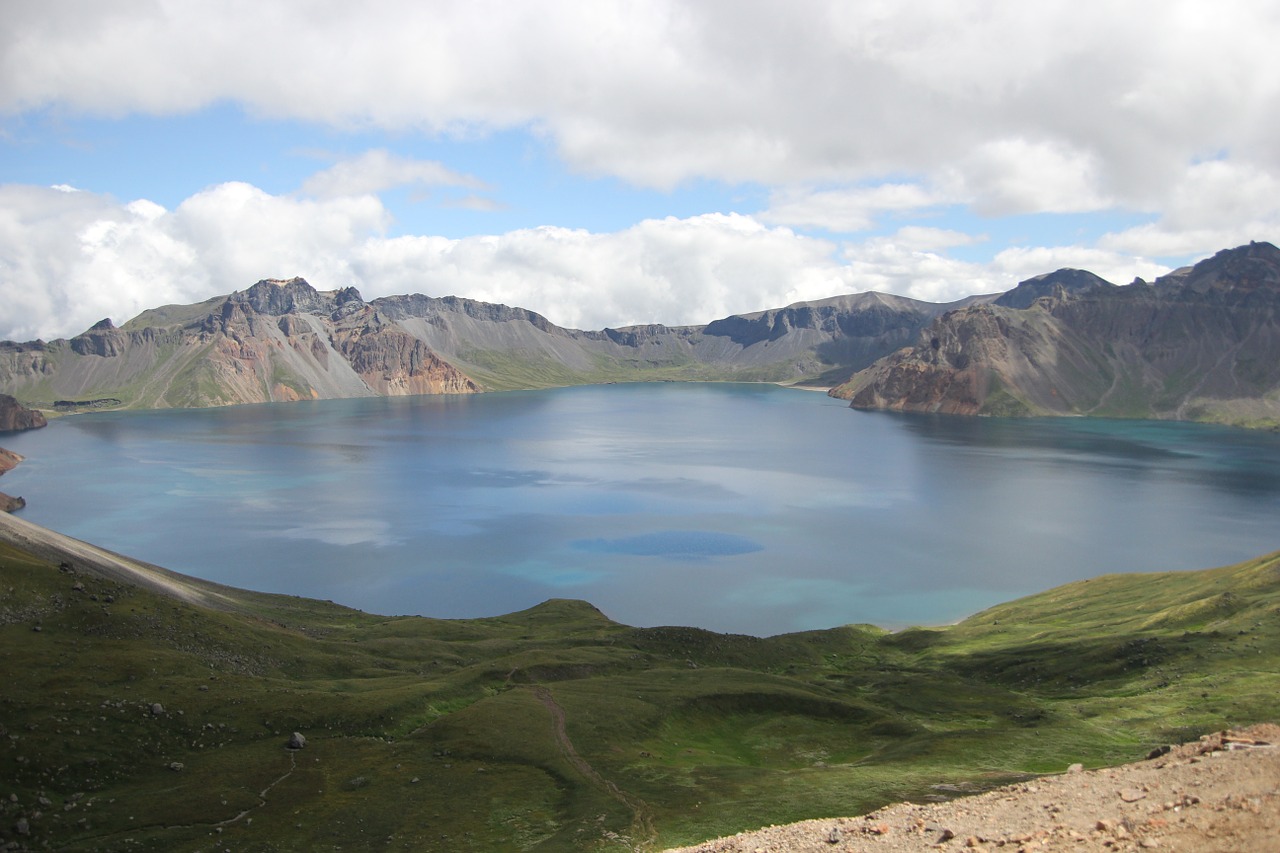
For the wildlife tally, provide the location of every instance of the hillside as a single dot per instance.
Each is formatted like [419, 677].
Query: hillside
[1202, 343]
[146, 710]
[285, 340]
[1214, 795]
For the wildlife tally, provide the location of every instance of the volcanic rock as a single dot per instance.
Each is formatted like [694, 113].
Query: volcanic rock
[15, 417]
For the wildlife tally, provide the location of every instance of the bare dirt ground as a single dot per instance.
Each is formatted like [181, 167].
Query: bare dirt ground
[1218, 795]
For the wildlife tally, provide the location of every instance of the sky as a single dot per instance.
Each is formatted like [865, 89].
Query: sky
[608, 163]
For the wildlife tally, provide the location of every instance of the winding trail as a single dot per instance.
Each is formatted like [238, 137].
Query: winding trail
[262, 795]
[642, 815]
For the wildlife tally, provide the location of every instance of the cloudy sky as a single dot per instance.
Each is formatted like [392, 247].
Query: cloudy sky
[607, 163]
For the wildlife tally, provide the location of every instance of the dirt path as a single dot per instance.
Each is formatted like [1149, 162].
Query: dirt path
[262, 795]
[1219, 795]
[642, 820]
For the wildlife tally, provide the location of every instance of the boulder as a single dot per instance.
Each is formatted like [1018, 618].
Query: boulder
[296, 741]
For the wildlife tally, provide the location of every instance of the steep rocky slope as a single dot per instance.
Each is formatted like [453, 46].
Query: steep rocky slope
[13, 417]
[284, 340]
[1202, 343]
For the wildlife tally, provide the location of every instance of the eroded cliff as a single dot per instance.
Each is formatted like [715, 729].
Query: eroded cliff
[1202, 343]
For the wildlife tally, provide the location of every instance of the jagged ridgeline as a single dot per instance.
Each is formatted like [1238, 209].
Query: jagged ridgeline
[285, 340]
[1202, 343]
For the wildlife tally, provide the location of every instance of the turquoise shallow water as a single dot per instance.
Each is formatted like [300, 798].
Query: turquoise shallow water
[745, 508]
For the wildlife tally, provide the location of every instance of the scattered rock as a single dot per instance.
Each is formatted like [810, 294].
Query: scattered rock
[1235, 807]
[176, 766]
[156, 709]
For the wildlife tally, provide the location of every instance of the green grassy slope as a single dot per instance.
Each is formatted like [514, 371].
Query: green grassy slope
[558, 729]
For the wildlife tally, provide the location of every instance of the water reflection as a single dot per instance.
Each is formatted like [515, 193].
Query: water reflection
[1242, 462]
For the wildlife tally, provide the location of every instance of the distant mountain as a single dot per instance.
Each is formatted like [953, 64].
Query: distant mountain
[284, 340]
[1201, 343]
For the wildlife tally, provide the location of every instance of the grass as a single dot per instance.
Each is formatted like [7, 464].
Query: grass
[557, 729]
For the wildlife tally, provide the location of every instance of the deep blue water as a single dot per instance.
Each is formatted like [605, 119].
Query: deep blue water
[744, 508]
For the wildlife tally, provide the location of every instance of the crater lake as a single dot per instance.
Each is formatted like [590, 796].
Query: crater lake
[742, 508]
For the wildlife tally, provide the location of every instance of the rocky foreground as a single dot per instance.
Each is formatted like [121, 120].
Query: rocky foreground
[1218, 795]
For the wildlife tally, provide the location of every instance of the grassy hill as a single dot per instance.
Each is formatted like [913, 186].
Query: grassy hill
[557, 729]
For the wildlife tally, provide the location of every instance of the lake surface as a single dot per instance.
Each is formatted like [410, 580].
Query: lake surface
[745, 508]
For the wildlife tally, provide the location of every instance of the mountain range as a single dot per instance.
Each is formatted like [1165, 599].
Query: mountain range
[284, 340]
[1201, 343]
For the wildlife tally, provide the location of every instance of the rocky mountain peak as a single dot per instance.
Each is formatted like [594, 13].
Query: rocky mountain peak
[1239, 271]
[103, 339]
[1065, 280]
[281, 296]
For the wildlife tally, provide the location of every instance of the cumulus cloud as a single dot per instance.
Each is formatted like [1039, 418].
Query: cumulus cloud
[671, 271]
[73, 258]
[1215, 203]
[848, 116]
[1098, 102]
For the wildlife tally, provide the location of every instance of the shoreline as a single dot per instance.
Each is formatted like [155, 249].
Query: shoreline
[8, 461]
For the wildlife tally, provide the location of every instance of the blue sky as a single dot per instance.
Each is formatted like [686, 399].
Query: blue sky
[610, 163]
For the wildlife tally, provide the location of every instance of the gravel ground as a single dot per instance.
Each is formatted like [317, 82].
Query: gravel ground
[1218, 795]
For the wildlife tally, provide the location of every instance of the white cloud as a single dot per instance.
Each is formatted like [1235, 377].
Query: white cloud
[848, 115]
[1096, 102]
[70, 259]
[377, 170]
[847, 210]
[1215, 204]
[672, 271]
[73, 258]
[1020, 264]
[1012, 176]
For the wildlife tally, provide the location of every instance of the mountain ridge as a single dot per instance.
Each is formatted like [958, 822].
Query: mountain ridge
[1201, 343]
[283, 340]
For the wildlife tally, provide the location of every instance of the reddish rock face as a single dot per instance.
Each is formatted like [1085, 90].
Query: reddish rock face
[1202, 343]
[14, 416]
[8, 461]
